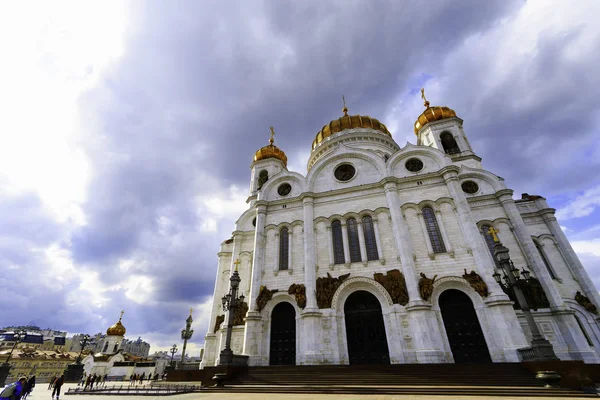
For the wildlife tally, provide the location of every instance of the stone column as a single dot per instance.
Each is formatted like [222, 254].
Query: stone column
[361, 242]
[484, 264]
[426, 234]
[253, 332]
[531, 253]
[377, 239]
[347, 260]
[330, 247]
[310, 340]
[438, 217]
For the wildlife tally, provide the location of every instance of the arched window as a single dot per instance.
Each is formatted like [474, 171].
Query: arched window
[546, 262]
[489, 240]
[370, 241]
[448, 143]
[116, 347]
[338, 242]
[433, 230]
[263, 177]
[353, 242]
[284, 249]
[105, 347]
[583, 331]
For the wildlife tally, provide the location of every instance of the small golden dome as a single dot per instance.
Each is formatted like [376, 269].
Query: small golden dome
[431, 114]
[117, 329]
[271, 151]
[349, 122]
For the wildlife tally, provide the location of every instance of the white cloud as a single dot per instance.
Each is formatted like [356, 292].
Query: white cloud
[587, 246]
[582, 206]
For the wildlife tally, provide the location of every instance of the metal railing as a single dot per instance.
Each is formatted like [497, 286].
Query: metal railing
[163, 390]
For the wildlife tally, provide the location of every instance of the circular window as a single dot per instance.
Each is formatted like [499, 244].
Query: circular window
[470, 187]
[284, 189]
[414, 165]
[344, 172]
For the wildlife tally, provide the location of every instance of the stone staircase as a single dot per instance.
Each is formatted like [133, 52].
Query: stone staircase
[415, 379]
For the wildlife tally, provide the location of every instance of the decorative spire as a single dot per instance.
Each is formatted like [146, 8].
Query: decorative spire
[272, 138]
[191, 309]
[345, 109]
[121, 317]
[426, 103]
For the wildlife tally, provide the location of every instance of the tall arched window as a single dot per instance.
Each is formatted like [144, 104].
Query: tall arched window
[370, 241]
[448, 143]
[105, 347]
[353, 242]
[263, 177]
[284, 249]
[546, 262]
[116, 347]
[489, 240]
[433, 230]
[338, 242]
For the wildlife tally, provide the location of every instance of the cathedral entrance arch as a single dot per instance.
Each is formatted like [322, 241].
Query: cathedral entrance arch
[365, 331]
[283, 335]
[463, 329]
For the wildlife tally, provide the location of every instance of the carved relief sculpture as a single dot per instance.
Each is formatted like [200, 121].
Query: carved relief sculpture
[426, 286]
[218, 322]
[585, 302]
[240, 314]
[393, 281]
[326, 288]
[299, 292]
[476, 283]
[264, 295]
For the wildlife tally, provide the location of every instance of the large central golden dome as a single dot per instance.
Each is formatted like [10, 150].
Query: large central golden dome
[349, 122]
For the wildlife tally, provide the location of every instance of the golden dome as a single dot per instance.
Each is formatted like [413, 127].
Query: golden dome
[271, 151]
[349, 122]
[117, 329]
[431, 114]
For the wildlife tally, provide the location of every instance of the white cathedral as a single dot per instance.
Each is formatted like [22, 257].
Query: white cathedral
[382, 254]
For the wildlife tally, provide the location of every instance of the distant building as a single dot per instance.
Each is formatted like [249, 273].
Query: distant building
[28, 360]
[136, 347]
[36, 338]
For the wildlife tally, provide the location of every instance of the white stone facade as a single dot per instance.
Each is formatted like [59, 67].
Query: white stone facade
[394, 197]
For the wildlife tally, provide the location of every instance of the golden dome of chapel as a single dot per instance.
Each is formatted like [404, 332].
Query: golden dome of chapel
[117, 329]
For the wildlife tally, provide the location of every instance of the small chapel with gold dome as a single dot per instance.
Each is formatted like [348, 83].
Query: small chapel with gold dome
[382, 254]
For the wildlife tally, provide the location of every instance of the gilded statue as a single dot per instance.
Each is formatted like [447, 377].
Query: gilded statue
[586, 303]
[299, 292]
[393, 281]
[426, 286]
[218, 322]
[240, 314]
[264, 295]
[476, 282]
[326, 287]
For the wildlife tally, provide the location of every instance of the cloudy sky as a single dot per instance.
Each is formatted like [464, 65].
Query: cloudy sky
[127, 130]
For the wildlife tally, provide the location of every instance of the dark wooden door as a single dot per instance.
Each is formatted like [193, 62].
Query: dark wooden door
[365, 331]
[283, 335]
[462, 327]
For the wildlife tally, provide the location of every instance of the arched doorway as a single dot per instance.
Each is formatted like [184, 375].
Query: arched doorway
[283, 335]
[462, 327]
[365, 331]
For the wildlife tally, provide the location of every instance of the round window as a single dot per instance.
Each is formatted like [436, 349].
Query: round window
[470, 187]
[284, 189]
[344, 172]
[414, 165]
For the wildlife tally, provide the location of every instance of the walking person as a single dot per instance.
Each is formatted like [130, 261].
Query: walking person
[92, 382]
[104, 378]
[51, 383]
[28, 387]
[142, 378]
[57, 386]
[14, 390]
[87, 382]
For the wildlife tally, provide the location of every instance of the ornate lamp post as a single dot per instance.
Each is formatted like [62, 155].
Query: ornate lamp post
[541, 349]
[173, 351]
[186, 334]
[75, 371]
[5, 367]
[230, 302]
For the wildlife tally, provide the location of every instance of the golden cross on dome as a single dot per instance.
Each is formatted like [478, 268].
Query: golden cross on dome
[493, 231]
[191, 309]
[272, 138]
[237, 263]
[121, 317]
[426, 103]
[345, 109]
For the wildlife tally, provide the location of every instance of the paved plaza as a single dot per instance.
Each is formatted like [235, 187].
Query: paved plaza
[41, 393]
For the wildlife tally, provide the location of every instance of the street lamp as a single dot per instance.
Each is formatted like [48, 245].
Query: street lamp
[230, 303]
[541, 349]
[85, 339]
[173, 351]
[18, 337]
[186, 334]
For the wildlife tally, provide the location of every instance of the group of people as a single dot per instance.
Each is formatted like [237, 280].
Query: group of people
[19, 389]
[135, 378]
[89, 381]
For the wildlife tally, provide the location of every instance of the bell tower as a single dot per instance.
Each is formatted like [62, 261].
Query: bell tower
[268, 161]
[439, 127]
